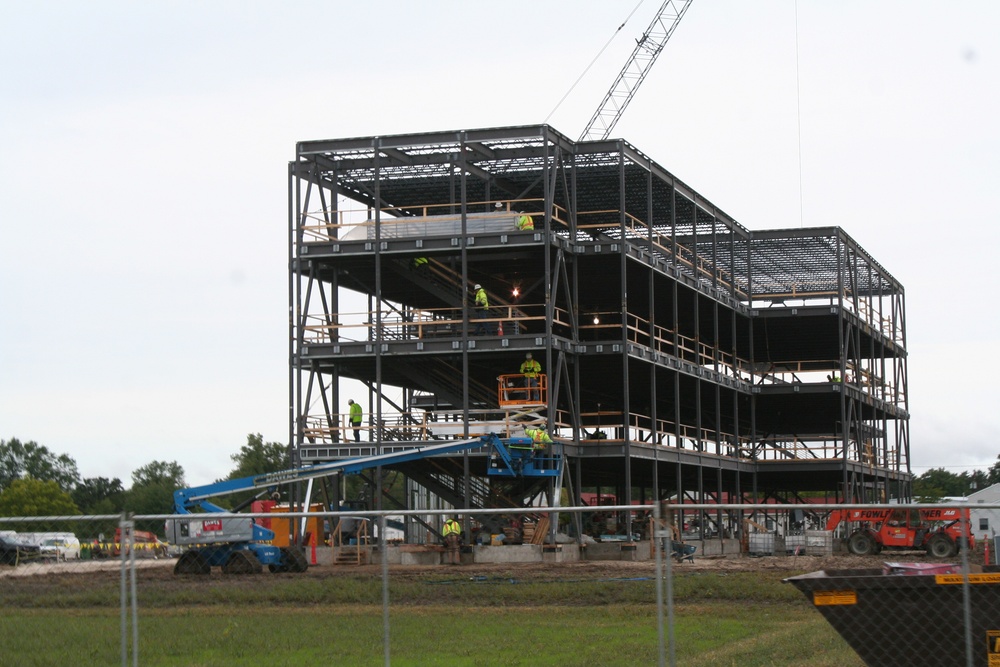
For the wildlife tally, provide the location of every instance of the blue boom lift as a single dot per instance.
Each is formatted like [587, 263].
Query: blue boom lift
[239, 546]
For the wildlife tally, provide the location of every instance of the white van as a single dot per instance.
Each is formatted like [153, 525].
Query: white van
[64, 548]
[54, 546]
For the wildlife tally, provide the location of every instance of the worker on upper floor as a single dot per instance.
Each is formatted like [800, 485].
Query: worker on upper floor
[356, 417]
[530, 368]
[525, 222]
[482, 310]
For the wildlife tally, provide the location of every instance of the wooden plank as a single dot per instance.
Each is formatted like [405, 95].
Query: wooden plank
[541, 530]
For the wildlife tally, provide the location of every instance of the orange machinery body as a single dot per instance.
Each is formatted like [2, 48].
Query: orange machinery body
[282, 526]
[905, 528]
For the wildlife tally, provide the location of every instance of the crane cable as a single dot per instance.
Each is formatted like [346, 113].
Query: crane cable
[587, 69]
[798, 112]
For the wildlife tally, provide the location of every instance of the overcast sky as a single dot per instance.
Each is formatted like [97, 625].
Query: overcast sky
[144, 147]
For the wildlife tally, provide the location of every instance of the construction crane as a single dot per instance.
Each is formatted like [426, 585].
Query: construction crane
[647, 48]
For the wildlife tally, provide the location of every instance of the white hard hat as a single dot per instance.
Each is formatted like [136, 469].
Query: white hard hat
[498, 205]
[478, 286]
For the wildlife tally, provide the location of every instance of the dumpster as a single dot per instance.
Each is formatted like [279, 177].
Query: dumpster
[902, 617]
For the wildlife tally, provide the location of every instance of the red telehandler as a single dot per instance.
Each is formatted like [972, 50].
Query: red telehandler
[146, 544]
[937, 530]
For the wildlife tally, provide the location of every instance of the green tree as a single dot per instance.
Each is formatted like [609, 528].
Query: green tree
[29, 459]
[258, 457]
[973, 481]
[254, 458]
[993, 474]
[153, 487]
[937, 483]
[159, 472]
[99, 495]
[35, 497]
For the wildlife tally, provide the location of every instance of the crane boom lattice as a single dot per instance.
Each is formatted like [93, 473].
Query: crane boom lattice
[647, 48]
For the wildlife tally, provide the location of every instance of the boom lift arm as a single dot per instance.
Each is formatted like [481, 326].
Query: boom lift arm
[197, 497]
[647, 48]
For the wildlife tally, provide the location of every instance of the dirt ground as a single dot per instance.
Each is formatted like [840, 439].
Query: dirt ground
[604, 569]
[623, 568]
[611, 569]
[155, 570]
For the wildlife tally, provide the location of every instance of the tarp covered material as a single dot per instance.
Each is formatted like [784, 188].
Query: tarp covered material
[434, 225]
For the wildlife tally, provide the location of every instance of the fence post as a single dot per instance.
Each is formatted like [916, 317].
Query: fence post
[126, 549]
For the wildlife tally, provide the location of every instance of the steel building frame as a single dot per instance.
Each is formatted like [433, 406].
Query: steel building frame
[685, 355]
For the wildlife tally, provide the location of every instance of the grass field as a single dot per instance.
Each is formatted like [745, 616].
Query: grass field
[542, 617]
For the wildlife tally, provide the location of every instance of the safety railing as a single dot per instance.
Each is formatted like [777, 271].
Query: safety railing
[415, 426]
[417, 325]
[596, 427]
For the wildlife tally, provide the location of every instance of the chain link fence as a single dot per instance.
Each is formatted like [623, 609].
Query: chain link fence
[875, 585]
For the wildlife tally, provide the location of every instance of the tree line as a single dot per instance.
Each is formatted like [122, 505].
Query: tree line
[35, 481]
[938, 483]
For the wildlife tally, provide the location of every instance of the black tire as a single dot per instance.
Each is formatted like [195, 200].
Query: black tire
[862, 544]
[242, 562]
[940, 546]
[191, 562]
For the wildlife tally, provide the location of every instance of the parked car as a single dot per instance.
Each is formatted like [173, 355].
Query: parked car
[60, 548]
[13, 552]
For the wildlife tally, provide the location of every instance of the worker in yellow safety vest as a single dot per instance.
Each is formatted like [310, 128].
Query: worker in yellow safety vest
[525, 223]
[530, 370]
[452, 532]
[482, 310]
[356, 417]
[539, 437]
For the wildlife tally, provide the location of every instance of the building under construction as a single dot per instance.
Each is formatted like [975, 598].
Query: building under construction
[682, 355]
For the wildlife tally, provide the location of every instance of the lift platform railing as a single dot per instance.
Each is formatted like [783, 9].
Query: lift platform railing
[518, 390]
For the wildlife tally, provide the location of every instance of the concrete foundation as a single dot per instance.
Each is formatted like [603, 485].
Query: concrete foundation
[421, 554]
[616, 551]
[718, 547]
[560, 553]
[407, 554]
[513, 553]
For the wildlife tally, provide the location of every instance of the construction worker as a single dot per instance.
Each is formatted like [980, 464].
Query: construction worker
[355, 419]
[482, 310]
[530, 370]
[539, 437]
[525, 222]
[452, 533]
[420, 264]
